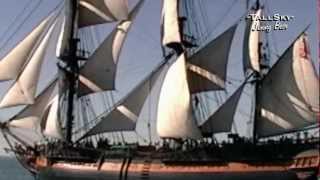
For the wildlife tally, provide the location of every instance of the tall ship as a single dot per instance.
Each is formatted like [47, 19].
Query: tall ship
[92, 115]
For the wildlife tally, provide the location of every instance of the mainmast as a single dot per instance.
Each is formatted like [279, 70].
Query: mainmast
[256, 76]
[257, 80]
[72, 73]
[257, 85]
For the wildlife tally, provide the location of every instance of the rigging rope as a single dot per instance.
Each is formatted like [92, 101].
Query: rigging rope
[9, 28]
[20, 25]
[25, 20]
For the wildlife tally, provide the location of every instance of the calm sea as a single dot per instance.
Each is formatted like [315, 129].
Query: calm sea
[11, 170]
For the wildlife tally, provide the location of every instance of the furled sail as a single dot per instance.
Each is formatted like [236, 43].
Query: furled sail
[222, 119]
[92, 12]
[288, 98]
[30, 117]
[24, 89]
[170, 24]
[251, 44]
[12, 64]
[209, 65]
[51, 121]
[125, 115]
[174, 115]
[98, 74]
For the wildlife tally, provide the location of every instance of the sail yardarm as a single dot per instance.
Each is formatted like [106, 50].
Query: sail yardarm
[125, 111]
[207, 75]
[174, 105]
[276, 119]
[99, 72]
[289, 92]
[30, 117]
[12, 64]
[24, 89]
[89, 84]
[213, 58]
[98, 12]
[222, 119]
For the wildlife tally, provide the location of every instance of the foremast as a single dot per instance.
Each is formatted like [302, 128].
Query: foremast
[72, 74]
[256, 56]
[257, 85]
[41, 113]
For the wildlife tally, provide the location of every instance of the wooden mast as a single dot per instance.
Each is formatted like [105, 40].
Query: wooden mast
[257, 80]
[72, 73]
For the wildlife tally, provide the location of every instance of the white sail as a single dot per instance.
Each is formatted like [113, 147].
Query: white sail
[92, 12]
[52, 123]
[24, 89]
[65, 23]
[15, 96]
[251, 44]
[305, 74]
[210, 63]
[222, 119]
[174, 116]
[98, 74]
[25, 123]
[125, 115]
[289, 95]
[30, 117]
[12, 64]
[170, 22]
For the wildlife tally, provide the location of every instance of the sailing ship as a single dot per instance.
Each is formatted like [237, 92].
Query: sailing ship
[65, 139]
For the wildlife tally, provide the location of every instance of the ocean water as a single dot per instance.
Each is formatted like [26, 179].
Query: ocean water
[11, 170]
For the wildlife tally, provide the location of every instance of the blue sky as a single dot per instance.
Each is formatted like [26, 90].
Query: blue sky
[142, 49]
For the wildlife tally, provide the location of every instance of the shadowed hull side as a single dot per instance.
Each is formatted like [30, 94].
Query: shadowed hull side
[75, 175]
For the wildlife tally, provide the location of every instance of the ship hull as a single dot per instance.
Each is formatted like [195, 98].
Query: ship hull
[148, 163]
[61, 174]
[127, 169]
